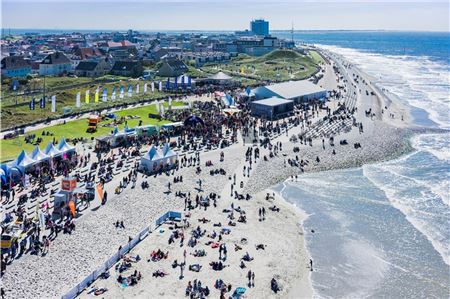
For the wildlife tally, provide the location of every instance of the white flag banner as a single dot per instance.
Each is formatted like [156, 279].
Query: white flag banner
[113, 95]
[157, 106]
[153, 86]
[145, 88]
[162, 110]
[170, 103]
[160, 86]
[53, 103]
[78, 100]
[137, 88]
[122, 91]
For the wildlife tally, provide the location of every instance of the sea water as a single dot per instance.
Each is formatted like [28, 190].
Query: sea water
[383, 230]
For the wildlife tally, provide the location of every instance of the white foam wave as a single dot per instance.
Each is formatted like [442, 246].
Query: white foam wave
[436, 144]
[422, 206]
[417, 81]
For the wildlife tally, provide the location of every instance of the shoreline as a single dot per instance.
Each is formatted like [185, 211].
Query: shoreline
[383, 139]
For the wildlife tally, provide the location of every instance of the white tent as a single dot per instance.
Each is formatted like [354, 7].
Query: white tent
[169, 154]
[38, 155]
[153, 160]
[51, 150]
[220, 76]
[64, 147]
[23, 161]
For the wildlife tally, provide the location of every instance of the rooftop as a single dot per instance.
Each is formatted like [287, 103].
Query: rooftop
[292, 89]
[273, 101]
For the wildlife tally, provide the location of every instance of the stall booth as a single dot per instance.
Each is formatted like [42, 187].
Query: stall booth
[64, 200]
[172, 128]
[145, 131]
[124, 137]
[154, 161]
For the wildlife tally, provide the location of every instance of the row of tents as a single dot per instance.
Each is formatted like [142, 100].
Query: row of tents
[25, 161]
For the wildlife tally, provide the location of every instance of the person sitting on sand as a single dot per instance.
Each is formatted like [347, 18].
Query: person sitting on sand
[195, 267]
[159, 273]
[260, 246]
[247, 257]
[274, 286]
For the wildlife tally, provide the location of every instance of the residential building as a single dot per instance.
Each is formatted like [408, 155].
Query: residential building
[15, 67]
[93, 68]
[172, 67]
[55, 64]
[128, 68]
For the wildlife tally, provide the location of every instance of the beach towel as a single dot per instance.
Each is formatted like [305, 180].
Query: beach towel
[215, 245]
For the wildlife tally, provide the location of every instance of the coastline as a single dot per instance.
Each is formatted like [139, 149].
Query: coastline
[382, 140]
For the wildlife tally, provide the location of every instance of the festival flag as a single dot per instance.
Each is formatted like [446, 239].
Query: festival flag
[130, 90]
[42, 103]
[53, 103]
[248, 90]
[153, 86]
[122, 91]
[157, 106]
[78, 100]
[32, 104]
[86, 97]
[113, 95]
[137, 88]
[176, 83]
[105, 94]
[189, 81]
[242, 70]
[162, 110]
[96, 95]
[170, 103]
[160, 85]
[145, 88]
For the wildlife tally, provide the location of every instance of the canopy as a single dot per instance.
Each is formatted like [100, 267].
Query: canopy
[220, 76]
[154, 160]
[23, 161]
[3, 176]
[193, 121]
[51, 150]
[64, 147]
[38, 155]
[228, 100]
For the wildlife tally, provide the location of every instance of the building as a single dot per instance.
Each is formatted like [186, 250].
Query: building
[297, 91]
[172, 68]
[256, 45]
[272, 108]
[129, 68]
[259, 27]
[93, 68]
[201, 58]
[15, 67]
[55, 64]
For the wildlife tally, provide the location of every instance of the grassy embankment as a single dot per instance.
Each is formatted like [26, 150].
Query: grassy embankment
[65, 89]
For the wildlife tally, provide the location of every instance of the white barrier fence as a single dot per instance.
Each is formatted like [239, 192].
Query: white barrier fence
[74, 292]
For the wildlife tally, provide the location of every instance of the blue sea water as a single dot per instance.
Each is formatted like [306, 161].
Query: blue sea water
[383, 230]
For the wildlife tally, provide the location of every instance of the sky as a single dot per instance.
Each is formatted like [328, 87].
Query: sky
[226, 14]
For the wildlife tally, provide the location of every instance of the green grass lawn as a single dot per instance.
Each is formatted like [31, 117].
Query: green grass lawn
[278, 65]
[11, 148]
[13, 115]
[316, 57]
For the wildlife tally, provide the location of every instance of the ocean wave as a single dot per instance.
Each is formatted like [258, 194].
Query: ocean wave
[416, 80]
[436, 144]
[421, 200]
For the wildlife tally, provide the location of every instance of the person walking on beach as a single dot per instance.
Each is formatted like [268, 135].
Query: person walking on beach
[311, 264]
[249, 276]
[263, 212]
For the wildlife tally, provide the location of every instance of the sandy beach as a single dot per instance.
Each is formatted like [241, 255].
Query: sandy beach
[284, 257]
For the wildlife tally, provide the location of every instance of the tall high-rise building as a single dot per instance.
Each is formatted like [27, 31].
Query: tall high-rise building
[260, 27]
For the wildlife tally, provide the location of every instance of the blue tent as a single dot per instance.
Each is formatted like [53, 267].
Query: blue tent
[193, 121]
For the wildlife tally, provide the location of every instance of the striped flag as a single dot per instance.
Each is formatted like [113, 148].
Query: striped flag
[86, 97]
[53, 103]
[32, 104]
[145, 88]
[78, 100]
[153, 86]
